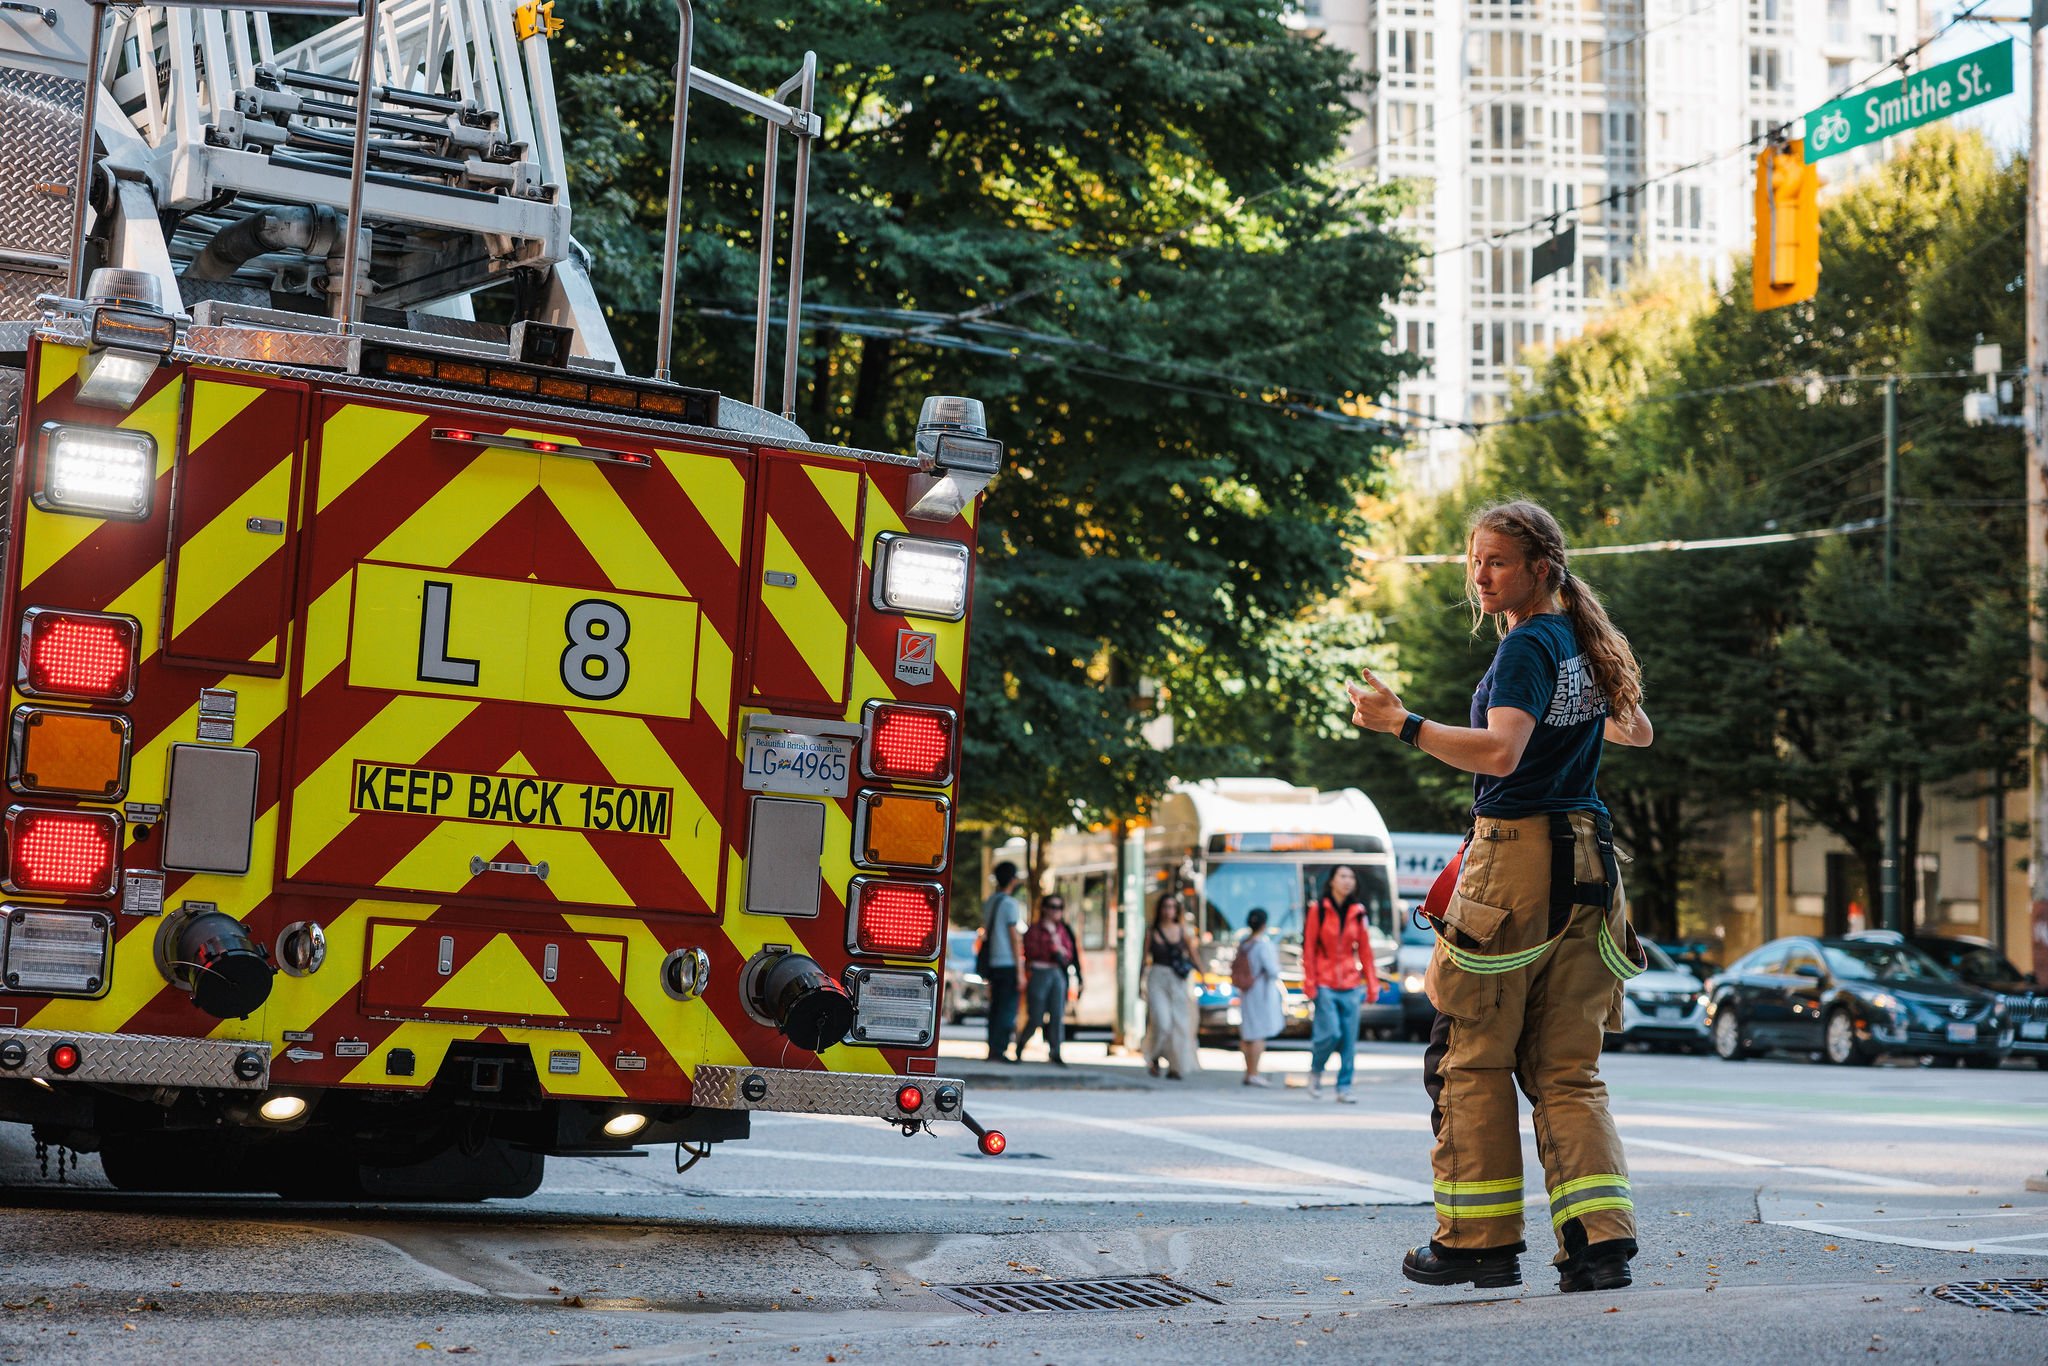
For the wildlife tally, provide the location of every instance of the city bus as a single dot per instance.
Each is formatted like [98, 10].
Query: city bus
[1229, 846]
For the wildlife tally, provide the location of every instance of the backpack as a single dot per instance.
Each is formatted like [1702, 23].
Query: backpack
[1241, 968]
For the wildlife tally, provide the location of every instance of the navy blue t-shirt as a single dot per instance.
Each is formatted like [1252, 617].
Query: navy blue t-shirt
[1540, 669]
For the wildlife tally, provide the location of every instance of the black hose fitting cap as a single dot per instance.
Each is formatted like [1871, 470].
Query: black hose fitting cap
[212, 956]
[807, 1004]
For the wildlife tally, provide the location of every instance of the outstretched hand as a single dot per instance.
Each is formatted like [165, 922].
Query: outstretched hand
[1374, 706]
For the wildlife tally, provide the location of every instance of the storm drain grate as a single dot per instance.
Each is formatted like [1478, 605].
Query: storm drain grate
[2011, 1296]
[1053, 1297]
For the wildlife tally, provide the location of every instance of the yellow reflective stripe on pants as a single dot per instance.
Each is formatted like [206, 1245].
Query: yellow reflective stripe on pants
[1479, 1199]
[1617, 962]
[1506, 1183]
[1585, 1194]
[1495, 963]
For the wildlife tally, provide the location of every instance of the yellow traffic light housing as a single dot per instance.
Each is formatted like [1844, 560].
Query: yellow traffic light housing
[1786, 268]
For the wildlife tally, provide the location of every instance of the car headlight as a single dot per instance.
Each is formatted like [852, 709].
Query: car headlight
[919, 577]
[1885, 1001]
[1412, 982]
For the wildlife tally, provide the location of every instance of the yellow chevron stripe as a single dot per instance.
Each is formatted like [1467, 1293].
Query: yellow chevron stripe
[352, 442]
[841, 491]
[404, 730]
[47, 537]
[298, 1002]
[749, 934]
[624, 745]
[429, 1043]
[714, 674]
[224, 552]
[716, 489]
[216, 403]
[595, 1079]
[810, 619]
[498, 978]
[327, 623]
[608, 530]
[677, 1025]
[462, 512]
[57, 367]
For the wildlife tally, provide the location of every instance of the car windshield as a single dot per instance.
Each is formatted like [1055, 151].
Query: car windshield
[1974, 963]
[1660, 961]
[960, 946]
[1413, 932]
[1866, 962]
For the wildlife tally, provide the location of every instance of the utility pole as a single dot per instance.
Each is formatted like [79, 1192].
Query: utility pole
[2037, 489]
[1890, 869]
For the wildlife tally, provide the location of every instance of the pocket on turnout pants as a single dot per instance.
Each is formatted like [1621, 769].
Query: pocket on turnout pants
[1456, 989]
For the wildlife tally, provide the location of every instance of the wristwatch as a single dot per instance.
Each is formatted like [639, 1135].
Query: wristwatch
[1411, 729]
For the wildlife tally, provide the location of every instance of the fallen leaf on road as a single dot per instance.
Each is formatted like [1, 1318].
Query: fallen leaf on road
[1333, 1278]
[423, 1346]
[1611, 1310]
[1226, 1283]
[1832, 1247]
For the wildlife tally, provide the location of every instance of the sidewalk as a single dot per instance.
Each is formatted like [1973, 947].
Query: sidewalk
[1091, 1066]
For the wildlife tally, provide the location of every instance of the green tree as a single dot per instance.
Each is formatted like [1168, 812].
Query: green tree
[1114, 222]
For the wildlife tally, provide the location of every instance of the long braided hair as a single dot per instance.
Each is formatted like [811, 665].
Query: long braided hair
[1542, 541]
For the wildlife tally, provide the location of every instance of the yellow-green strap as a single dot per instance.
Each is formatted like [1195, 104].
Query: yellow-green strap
[1618, 963]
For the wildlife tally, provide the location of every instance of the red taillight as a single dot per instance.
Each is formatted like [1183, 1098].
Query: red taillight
[909, 1099]
[909, 743]
[62, 851]
[899, 918]
[86, 655]
[64, 1057]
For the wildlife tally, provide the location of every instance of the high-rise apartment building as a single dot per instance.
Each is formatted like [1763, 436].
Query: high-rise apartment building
[1501, 112]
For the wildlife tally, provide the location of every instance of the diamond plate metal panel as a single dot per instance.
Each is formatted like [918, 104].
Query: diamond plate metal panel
[793, 1091]
[43, 115]
[10, 432]
[139, 1059]
[20, 287]
[305, 349]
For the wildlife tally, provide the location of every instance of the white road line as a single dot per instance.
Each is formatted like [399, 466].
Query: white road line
[1752, 1160]
[1396, 1190]
[985, 1168]
[1933, 1244]
[986, 1197]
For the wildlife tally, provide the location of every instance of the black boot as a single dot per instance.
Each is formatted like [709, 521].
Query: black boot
[1486, 1268]
[1593, 1266]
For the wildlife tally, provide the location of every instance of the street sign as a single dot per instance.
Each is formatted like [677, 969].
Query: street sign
[1557, 254]
[1922, 97]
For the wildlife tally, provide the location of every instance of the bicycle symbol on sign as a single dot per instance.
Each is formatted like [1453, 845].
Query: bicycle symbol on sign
[1831, 129]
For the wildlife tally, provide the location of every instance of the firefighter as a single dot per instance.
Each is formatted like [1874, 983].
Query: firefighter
[1533, 944]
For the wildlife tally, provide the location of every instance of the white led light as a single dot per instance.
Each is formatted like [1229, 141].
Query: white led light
[921, 578]
[56, 953]
[115, 378]
[96, 472]
[625, 1125]
[282, 1109]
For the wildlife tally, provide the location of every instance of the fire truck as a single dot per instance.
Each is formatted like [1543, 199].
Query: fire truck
[432, 747]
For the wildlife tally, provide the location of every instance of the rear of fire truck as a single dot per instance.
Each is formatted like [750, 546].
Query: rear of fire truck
[431, 747]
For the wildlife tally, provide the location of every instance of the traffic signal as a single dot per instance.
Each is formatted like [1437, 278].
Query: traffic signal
[1786, 268]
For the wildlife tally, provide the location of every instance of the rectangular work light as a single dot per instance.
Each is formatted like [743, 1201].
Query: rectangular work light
[920, 578]
[48, 952]
[95, 472]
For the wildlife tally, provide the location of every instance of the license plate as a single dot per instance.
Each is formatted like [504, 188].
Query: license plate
[1670, 1012]
[1962, 1033]
[2037, 1030]
[786, 761]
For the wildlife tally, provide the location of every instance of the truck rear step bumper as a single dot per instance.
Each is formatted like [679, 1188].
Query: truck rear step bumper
[800, 1092]
[136, 1059]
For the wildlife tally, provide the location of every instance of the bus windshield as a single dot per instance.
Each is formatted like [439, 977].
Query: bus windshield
[1284, 889]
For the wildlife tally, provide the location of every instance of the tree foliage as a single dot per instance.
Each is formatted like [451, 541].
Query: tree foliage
[1114, 222]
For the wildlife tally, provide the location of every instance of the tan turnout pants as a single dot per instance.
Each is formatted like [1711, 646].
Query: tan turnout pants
[1526, 985]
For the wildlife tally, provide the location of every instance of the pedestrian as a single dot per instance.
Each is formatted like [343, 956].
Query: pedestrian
[1338, 976]
[1170, 950]
[1053, 962]
[1260, 1001]
[1533, 943]
[1000, 959]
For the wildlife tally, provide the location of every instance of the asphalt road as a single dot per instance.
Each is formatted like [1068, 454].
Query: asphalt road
[1789, 1211]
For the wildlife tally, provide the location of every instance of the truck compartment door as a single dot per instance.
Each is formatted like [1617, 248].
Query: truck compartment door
[807, 529]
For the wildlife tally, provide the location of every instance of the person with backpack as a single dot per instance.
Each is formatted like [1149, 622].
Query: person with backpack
[1338, 975]
[1255, 972]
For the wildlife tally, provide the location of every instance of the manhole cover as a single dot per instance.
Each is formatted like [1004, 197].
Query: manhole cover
[1051, 1297]
[2013, 1296]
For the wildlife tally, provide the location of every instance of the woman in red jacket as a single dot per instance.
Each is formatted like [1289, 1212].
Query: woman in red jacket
[1337, 975]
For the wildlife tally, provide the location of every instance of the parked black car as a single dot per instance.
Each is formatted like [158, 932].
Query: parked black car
[1853, 1001]
[1980, 964]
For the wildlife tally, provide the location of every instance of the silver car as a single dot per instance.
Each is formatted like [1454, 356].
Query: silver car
[1663, 1008]
[966, 991]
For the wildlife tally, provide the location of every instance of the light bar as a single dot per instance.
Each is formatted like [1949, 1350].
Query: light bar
[901, 830]
[62, 852]
[95, 472]
[462, 436]
[84, 656]
[907, 742]
[574, 388]
[920, 578]
[46, 952]
[901, 919]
